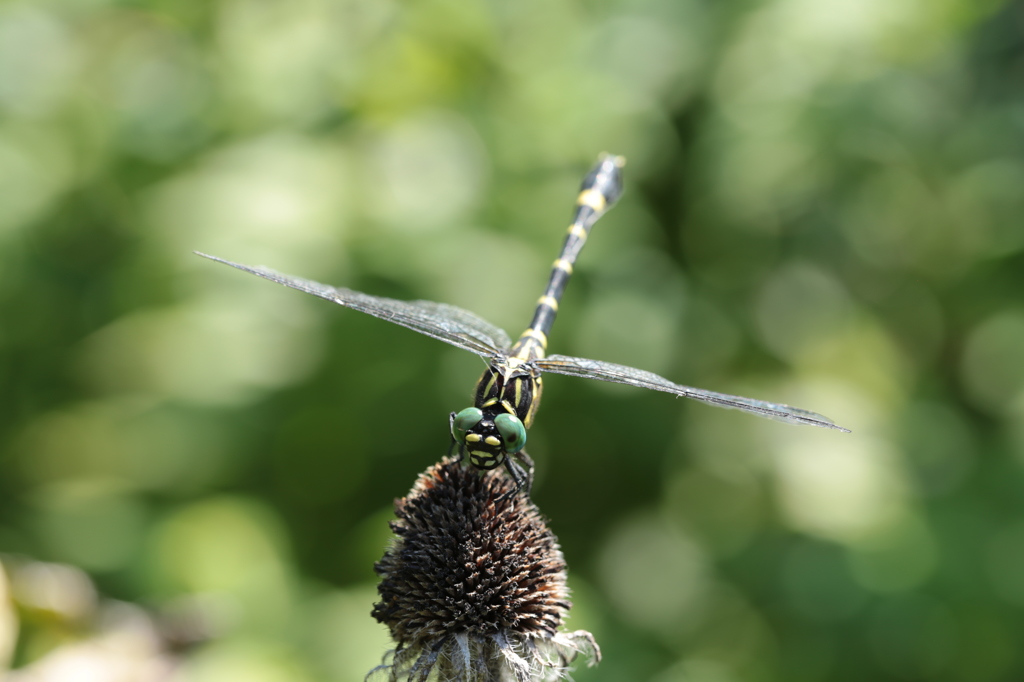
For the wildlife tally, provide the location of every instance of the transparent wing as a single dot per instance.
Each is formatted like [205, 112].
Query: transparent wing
[620, 374]
[447, 323]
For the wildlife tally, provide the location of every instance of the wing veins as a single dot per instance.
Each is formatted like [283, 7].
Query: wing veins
[621, 374]
[440, 321]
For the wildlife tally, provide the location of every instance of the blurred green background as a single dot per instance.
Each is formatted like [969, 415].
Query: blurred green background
[823, 207]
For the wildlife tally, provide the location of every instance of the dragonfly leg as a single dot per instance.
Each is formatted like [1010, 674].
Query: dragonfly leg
[528, 461]
[523, 479]
[459, 450]
[455, 443]
[517, 474]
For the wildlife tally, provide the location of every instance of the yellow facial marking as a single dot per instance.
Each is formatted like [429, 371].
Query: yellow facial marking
[491, 440]
[472, 437]
[490, 402]
[508, 407]
[549, 301]
[484, 462]
[593, 199]
[562, 264]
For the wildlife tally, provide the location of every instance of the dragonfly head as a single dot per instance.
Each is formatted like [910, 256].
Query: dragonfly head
[488, 437]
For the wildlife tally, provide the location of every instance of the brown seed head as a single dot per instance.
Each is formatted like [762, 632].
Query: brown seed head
[475, 584]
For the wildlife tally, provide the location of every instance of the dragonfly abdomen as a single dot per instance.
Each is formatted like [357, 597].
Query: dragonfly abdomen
[598, 192]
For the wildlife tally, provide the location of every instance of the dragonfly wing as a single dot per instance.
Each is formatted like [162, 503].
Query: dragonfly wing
[620, 374]
[494, 335]
[447, 323]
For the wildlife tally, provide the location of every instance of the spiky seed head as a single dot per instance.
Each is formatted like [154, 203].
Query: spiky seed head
[474, 587]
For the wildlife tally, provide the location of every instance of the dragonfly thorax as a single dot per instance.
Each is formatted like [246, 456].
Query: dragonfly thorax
[509, 386]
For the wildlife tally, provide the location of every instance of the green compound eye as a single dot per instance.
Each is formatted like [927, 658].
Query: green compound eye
[464, 421]
[512, 431]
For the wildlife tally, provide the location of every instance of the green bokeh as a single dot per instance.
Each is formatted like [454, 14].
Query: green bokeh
[823, 207]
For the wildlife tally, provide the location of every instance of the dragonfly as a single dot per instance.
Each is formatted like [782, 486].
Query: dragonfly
[492, 432]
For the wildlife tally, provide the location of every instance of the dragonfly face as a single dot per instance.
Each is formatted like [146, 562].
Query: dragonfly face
[488, 437]
[506, 400]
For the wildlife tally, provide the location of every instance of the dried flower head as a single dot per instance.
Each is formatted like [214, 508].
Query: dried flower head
[474, 587]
